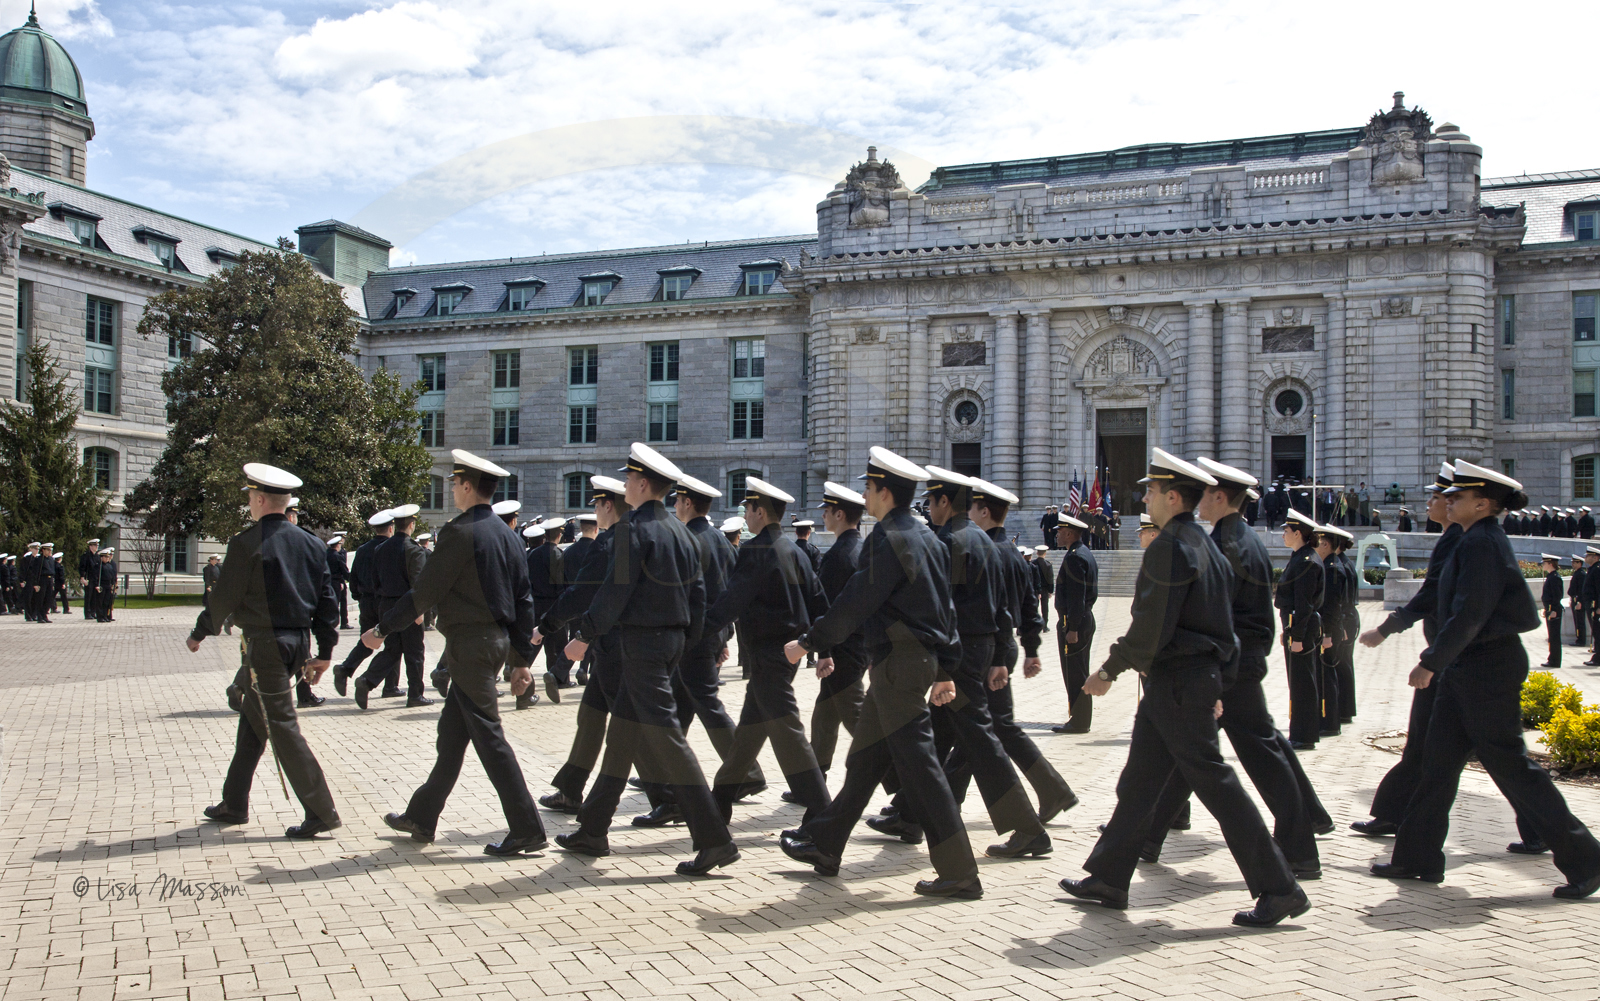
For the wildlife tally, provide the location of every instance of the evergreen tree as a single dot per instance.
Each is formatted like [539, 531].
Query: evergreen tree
[46, 494]
[269, 379]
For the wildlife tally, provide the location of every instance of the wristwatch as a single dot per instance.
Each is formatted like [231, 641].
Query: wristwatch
[1103, 676]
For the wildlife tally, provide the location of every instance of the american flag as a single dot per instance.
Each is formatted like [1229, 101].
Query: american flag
[1074, 496]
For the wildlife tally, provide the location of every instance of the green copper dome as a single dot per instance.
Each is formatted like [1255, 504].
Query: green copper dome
[36, 69]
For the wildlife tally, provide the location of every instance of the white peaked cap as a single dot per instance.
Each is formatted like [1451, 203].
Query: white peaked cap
[1251, 493]
[424, 537]
[1231, 474]
[534, 531]
[1145, 521]
[983, 488]
[270, 479]
[406, 511]
[808, 523]
[1547, 556]
[838, 494]
[380, 519]
[335, 538]
[1469, 475]
[1069, 520]
[610, 484]
[1165, 465]
[506, 507]
[699, 488]
[1300, 519]
[1335, 530]
[885, 461]
[644, 459]
[465, 462]
[1041, 549]
[733, 525]
[551, 524]
[587, 518]
[939, 478]
[754, 487]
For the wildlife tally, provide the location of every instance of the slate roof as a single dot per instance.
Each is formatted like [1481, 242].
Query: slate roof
[638, 269]
[1149, 161]
[119, 219]
[1547, 197]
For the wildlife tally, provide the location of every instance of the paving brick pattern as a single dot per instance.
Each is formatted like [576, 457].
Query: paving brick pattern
[115, 737]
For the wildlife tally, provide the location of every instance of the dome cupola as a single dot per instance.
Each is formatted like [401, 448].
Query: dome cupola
[44, 120]
[35, 68]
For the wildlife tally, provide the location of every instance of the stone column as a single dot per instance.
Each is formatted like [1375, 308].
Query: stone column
[1004, 462]
[1331, 441]
[1037, 462]
[1200, 421]
[1234, 439]
[920, 416]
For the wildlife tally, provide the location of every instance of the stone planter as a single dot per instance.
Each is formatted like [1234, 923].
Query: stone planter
[1399, 588]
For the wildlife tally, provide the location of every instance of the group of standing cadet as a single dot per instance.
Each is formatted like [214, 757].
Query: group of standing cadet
[35, 584]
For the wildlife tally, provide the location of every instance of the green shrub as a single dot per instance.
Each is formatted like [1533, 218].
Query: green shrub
[1277, 575]
[1375, 575]
[1542, 694]
[1573, 736]
[1419, 573]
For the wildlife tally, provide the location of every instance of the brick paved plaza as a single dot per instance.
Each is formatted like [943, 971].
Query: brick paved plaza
[115, 737]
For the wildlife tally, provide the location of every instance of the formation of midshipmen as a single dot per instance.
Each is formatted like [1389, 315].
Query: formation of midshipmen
[916, 632]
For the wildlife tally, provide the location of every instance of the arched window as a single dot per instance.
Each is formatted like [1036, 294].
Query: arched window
[736, 480]
[580, 493]
[102, 465]
[433, 494]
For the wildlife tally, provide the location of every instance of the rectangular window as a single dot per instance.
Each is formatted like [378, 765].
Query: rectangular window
[664, 362]
[674, 288]
[175, 554]
[1509, 467]
[506, 423]
[97, 389]
[102, 463]
[580, 492]
[432, 373]
[594, 293]
[1508, 320]
[583, 366]
[180, 346]
[521, 297]
[433, 494]
[1583, 393]
[1583, 225]
[101, 322]
[758, 282]
[507, 489]
[82, 229]
[1508, 394]
[432, 428]
[507, 369]
[663, 422]
[1474, 408]
[737, 481]
[1583, 316]
[749, 419]
[1583, 477]
[24, 337]
[166, 253]
[447, 303]
[582, 428]
[749, 359]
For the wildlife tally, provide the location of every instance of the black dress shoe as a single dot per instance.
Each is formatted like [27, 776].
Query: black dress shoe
[552, 688]
[1334, 732]
[1101, 828]
[222, 815]
[418, 702]
[1311, 869]
[1182, 825]
[750, 789]
[803, 849]
[518, 846]
[585, 844]
[1150, 852]
[1056, 807]
[1527, 848]
[1375, 828]
[1389, 870]
[661, 816]
[1300, 745]
[582, 677]
[789, 797]
[889, 811]
[1577, 891]
[341, 680]
[1346, 720]
[390, 693]
[1069, 727]
[528, 699]
[1020, 845]
[1548, 664]
[910, 833]
[311, 703]
[1271, 908]
[311, 827]
[361, 693]
[405, 824]
[560, 802]
[1324, 828]
[635, 782]
[1096, 889]
[961, 889]
[709, 859]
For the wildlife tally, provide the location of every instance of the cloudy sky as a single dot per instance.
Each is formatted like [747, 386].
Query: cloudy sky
[260, 117]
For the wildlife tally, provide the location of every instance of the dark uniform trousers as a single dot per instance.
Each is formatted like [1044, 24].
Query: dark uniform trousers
[1579, 620]
[644, 734]
[1075, 669]
[1552, 628]
[1305, 706]
[555, 658]
[1345, 666]
[770, 712]
[1328, 689]
[474, 656]
[694, 689]
[341, 594]
[274, 657]
[367, 615]
[1272, 765]
[594, 709]
[1048, 785]
[1478, 709]
[1174, 732]
[408, 643]
[895, 731]
[964, 724]
[839, 698]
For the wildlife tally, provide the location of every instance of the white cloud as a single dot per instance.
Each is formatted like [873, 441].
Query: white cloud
[262, 112]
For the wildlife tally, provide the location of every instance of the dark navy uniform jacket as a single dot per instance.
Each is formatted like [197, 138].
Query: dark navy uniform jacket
[1483, 596]
[1077, 588]
[773, 582]
[1300, 594]
[274, 576]
[653, 580]
[1182, 606]
[839, 564]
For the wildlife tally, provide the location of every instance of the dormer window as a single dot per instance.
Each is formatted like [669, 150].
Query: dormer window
[759, 276]
[85, 225]
[166, 253]
[447, 298]
[521, 293]
[597, 287]
[163, 245]
[1584, 225]
[402, 297]
[83, 229]
[675, 282]
[222, 258]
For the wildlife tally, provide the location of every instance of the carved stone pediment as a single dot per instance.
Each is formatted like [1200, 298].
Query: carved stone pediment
[1121, 369]
[868, 186]
[1395, 139]
[1397, 305]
